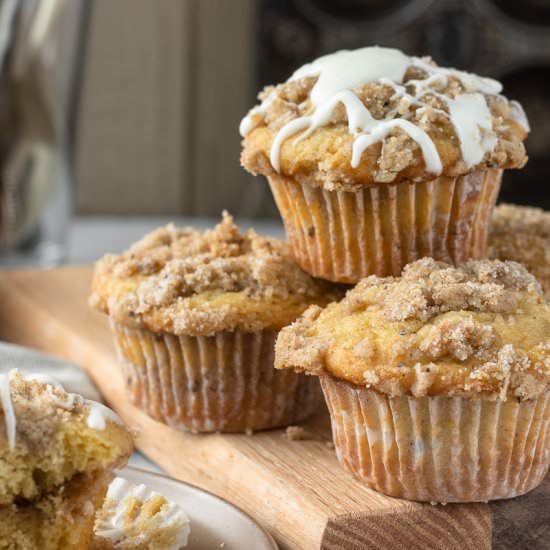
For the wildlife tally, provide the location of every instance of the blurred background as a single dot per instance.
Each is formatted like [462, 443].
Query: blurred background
[140, 100]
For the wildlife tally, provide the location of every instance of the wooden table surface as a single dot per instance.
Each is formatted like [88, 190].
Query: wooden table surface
[294, 488]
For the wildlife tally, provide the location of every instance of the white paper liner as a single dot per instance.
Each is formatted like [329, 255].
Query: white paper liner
[224, 382]
[344, 236]
[440, 449]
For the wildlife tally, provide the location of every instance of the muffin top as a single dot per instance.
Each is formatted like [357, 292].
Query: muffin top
[479, 329]
[184, 281]
[375, 115]
[522, 234]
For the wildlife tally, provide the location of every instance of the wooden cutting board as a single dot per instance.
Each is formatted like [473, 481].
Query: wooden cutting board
[295, 488]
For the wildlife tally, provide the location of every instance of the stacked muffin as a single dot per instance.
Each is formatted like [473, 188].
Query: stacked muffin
[436, 371]
[436, 366]
[377, 159]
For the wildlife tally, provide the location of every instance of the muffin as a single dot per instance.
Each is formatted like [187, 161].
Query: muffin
[437, 382]
[134, 517]
[522, 234]
[195, 317]
[377, 159]
[57, 456]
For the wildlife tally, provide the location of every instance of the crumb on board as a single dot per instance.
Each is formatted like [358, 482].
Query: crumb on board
[295, 433]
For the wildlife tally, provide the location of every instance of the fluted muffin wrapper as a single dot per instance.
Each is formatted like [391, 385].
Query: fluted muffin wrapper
[344, 236]
[224, 382]
[439, 449]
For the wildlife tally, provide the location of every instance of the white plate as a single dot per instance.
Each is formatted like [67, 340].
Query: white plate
[213, 520]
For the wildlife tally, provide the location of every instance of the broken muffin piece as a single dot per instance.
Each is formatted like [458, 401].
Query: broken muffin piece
[57, 456]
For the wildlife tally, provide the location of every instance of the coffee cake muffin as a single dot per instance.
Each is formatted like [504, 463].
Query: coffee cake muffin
[195, 317]
[437, 382]
[134, 517]
[522, 234]
[57, 456]
[376, 159]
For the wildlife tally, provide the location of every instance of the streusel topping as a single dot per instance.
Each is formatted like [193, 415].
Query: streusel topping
[187, 281]
[483, 327]
[415, 120]
[522, 234]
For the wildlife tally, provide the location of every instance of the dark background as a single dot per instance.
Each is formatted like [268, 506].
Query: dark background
[506, 39]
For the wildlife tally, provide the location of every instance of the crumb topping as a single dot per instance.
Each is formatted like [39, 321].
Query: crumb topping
[398, 156]
[428, 288]
[522, 234]
[481, 328]
[187, 281]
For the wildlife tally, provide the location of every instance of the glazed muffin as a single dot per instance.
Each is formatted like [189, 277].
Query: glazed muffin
[57, 456]
[437, 382]
[377, 159]
[195, 317]
[134, 517]
[522, 234]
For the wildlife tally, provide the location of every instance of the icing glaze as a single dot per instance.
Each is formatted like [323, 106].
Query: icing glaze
[429, 151]
[99, 414]
[115, 523]
[7, 407]
[338, 73]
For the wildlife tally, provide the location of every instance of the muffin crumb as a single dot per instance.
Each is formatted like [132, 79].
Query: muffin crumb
[295, 433]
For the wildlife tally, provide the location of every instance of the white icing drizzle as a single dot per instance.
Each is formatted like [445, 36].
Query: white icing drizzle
[288, 130]
[7, 406]
[247, 123]
[469, 113]
[429, 151]
[99, 414]
[338, 73]
[519, 115]
[114, 525]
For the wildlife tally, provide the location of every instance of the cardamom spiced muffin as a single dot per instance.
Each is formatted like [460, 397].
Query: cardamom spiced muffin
[377, 159]
[195, 316]
[437, 381]
[522, 234]
[57, 456]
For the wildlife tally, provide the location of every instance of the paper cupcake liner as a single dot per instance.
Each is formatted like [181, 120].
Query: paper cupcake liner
[344, 236]
[439, 449]
[224, 382]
